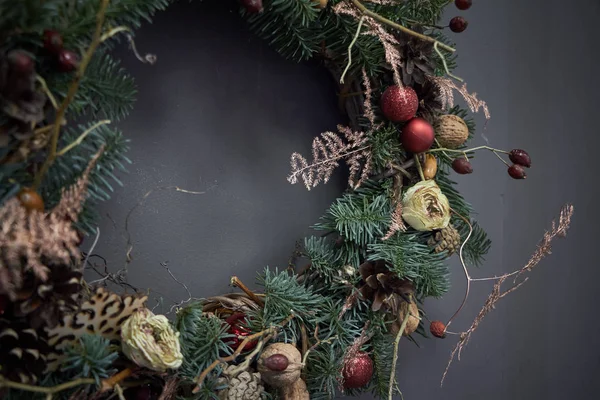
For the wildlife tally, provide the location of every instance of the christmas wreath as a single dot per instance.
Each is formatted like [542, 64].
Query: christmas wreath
[333, 324]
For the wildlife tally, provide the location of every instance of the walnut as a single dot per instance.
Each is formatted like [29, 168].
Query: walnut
[451, 131]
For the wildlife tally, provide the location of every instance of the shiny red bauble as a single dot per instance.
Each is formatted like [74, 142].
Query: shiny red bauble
[358, 371]
[237, 328]
[399, 104]
[417, 135]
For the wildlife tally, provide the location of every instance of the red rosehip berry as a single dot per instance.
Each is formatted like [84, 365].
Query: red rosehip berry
[458, 24]
[517, 172]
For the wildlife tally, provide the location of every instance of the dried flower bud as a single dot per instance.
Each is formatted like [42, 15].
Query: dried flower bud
[149, 341]
[425, 207]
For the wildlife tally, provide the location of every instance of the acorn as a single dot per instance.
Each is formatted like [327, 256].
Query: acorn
[462, 166]
[438, 329]
[517, 172]
[520, 157]
[429, 166]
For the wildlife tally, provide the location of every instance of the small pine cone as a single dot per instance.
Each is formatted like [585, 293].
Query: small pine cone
[447, 239]
[245, 386]
[23, 351]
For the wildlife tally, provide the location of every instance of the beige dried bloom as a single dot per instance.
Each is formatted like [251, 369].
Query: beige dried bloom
[425, 207]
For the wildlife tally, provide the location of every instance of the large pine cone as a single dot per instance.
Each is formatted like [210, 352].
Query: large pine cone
[447, 239]
[23, 351]
[417, 58]
[44, 303]
[383, 286]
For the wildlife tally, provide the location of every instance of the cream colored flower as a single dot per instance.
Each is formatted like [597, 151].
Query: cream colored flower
[425, 207]
[149, 341]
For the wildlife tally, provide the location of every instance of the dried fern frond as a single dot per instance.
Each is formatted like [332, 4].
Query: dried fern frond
[328, 150]
[447, 86]
[30, 241]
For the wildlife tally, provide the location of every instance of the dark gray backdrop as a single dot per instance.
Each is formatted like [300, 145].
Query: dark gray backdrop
[221, 112]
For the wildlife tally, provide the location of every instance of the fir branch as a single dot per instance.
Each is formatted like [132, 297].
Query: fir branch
[360, 217]
[202, 337]
[383, 346]
[414, 261]
[323, 372]
[60, 113]
[324, 257]
[92, 357]
[285, 296]
[327, 151]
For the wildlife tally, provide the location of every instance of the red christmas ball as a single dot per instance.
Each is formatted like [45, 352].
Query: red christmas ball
[458, 24]
[417, 135]
[520, 157]
[53, 41]
[399, 104]
[252, 6]
[438, 329]
[237, 329]
[463, 4]
[67, 61]
[462, 166]
[517, 172]
[358, 371]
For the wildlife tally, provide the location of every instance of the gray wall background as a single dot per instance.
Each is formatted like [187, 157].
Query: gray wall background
[221, 113]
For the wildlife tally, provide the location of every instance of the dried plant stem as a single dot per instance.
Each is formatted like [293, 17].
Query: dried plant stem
[110, 383]
[350, 46]
[60, 113]
[47, 390]
[443, 149]
[544, 248]
[395, 357]
[235, 281]
[263, 334]
[419, 167]
[399, 27]
[80, 138]
[47, 91]
[450, 74]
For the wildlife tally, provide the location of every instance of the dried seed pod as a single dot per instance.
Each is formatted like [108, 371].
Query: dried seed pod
[430, 166]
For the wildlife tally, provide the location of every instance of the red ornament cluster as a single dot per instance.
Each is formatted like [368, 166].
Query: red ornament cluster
[358, 371]
[53, 43]
[239, 331]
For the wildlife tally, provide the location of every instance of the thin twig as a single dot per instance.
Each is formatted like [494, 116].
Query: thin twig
[87, 257]
[350, 46]
[399, 27]
[439, 53]
[47, 91]
[80, 138]
[235, 281]
[395, 357]
[110, 383]
[43, 389]
[164, 265]
[60, 113]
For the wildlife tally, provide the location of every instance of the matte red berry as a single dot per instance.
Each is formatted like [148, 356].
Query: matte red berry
[517, 172]
[53, 41]
[520, 157]
[21, 62]
[438, 329]
[252, 6]
[463, 4]
[462, 166]
[458, 24]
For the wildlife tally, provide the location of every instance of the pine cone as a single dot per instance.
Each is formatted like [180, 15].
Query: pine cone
[244, 386]
[417, 61]
[44, 303]
[23, 351]
[447, 239]
[430, 103]
[383, 286]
